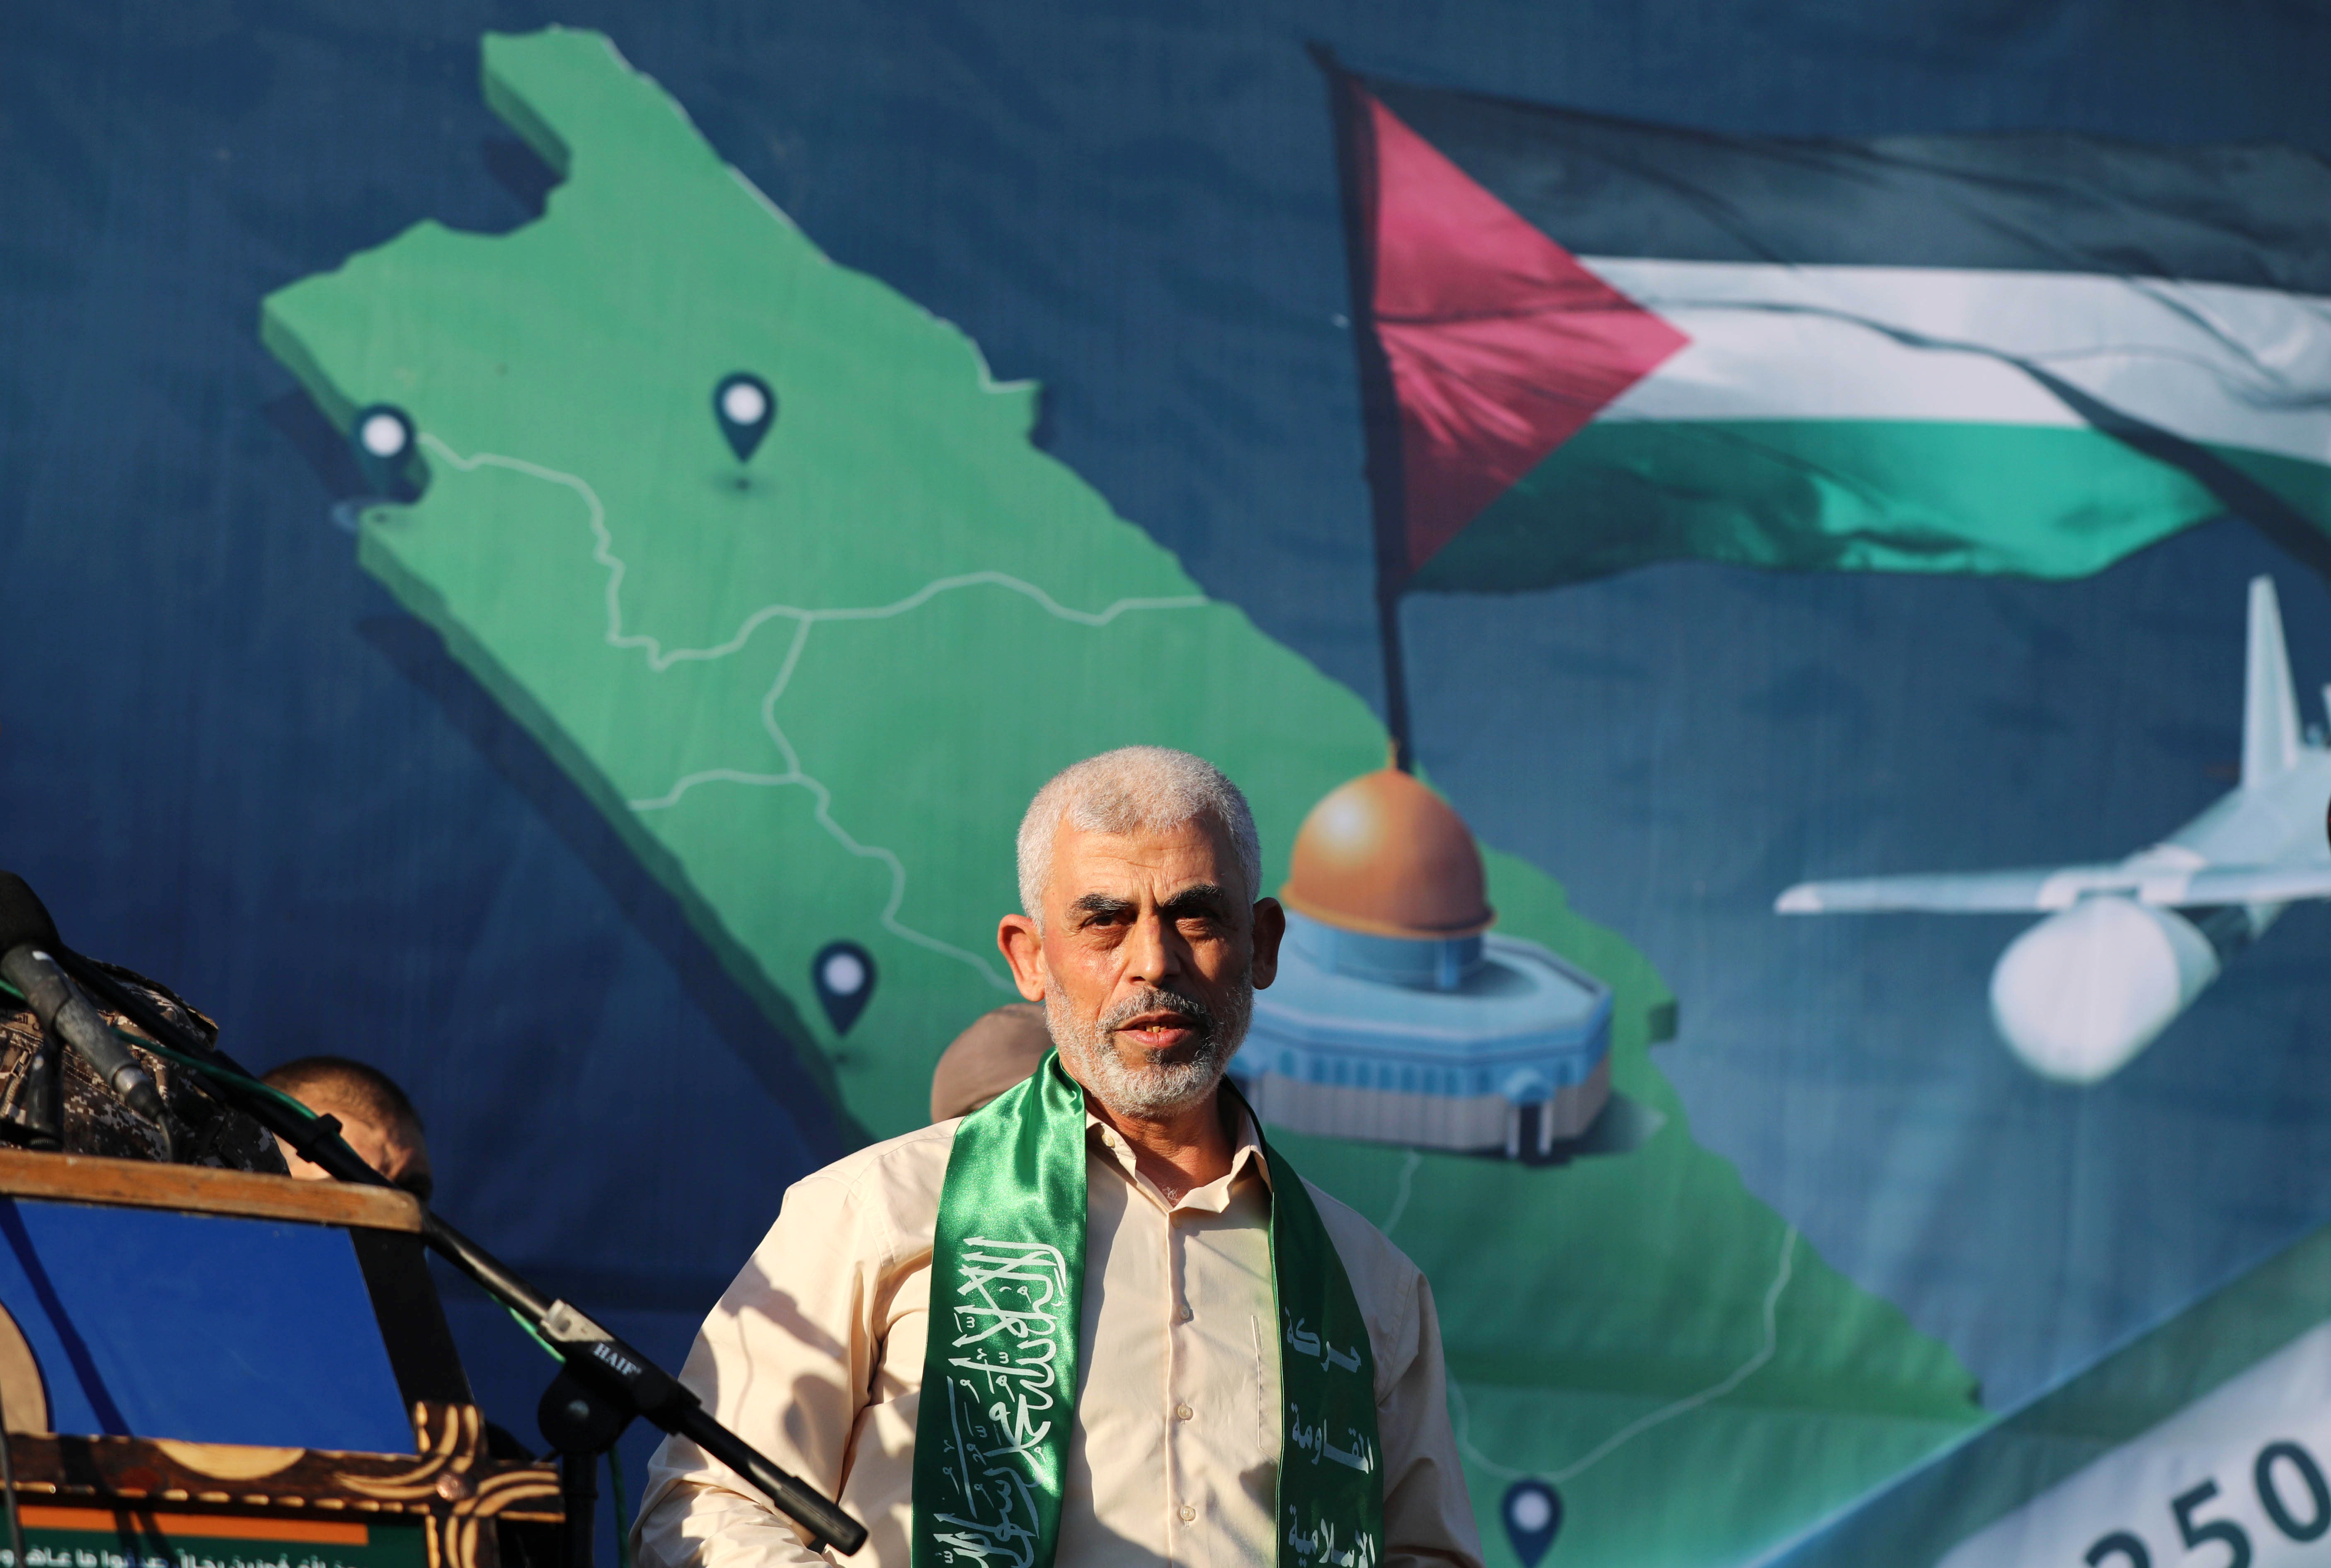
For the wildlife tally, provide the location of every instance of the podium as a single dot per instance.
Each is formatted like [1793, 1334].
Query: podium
[215, 1369]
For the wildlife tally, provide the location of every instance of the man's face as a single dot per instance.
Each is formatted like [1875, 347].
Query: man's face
[395, 1150]
[1148, 961]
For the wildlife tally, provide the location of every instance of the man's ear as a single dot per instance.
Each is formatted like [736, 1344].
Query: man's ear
[1022, 947]
[1269, 929]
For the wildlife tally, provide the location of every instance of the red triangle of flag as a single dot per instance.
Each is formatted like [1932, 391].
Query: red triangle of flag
[1501, 346]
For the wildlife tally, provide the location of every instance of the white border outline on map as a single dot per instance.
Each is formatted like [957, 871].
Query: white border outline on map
[1643, 1423]
[659, 660]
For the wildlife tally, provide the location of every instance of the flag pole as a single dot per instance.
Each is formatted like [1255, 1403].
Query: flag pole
[1395, 676]
[1379, 410]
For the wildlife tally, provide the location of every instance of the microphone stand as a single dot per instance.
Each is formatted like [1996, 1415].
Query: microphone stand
[581, 1427]
[601, 1362]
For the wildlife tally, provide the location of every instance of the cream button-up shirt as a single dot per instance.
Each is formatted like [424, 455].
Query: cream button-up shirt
[815, 1356]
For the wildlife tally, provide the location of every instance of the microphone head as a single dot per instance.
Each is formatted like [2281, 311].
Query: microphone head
[23, 918]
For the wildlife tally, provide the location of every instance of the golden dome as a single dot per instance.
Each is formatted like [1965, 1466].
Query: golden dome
[1384, 855]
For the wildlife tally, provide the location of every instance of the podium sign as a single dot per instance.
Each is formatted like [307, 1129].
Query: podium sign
[210, 1327]
[213, 1369]
[57, 1537]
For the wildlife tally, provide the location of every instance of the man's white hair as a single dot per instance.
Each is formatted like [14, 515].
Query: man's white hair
[1125, 791]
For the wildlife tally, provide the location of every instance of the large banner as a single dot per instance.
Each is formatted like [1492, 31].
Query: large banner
[1773, 653]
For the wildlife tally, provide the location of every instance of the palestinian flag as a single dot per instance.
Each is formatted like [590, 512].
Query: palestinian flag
[1587, 344]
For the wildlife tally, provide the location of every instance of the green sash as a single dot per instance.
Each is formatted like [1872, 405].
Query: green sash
[1000, 1367]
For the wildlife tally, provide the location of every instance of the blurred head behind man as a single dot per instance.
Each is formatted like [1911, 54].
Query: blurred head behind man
[1142, 932]
[1000, 1050]
[375, 1116]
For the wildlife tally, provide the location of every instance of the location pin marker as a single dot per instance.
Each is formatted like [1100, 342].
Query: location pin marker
[1533, 1514]
[383, 438]
[843, 975]
[746, 408]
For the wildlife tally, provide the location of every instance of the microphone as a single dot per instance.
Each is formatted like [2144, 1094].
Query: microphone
[27, 935]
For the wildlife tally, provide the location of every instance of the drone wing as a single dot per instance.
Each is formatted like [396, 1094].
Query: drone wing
[2039, 889]
[1943, 892]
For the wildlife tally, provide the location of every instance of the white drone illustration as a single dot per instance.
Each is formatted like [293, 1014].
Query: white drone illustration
[2127, 947]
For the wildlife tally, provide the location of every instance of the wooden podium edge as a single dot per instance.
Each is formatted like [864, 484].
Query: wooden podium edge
[143, 1184]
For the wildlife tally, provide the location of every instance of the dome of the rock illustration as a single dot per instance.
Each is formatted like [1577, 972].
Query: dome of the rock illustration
[1385, 854]
[1397, 1017]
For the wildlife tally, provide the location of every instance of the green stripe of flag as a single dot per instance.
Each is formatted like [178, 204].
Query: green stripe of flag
[1840, 495]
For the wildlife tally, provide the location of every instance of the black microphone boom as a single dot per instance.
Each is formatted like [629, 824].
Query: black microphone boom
[27, 938]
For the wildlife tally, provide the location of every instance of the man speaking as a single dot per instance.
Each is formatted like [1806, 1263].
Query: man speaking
[1097, 1321]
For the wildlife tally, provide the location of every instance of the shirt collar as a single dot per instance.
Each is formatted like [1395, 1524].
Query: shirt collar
[1246, 1158]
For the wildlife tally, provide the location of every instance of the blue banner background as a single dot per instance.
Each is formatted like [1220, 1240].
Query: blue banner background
[229, 760]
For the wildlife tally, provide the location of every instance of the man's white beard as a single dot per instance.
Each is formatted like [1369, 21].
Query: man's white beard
[1151, 1089]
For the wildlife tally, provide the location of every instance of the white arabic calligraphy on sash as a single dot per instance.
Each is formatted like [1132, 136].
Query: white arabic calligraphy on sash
[1003, 1387]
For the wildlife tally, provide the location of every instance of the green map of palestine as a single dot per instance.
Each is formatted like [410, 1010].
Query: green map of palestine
[816, 702]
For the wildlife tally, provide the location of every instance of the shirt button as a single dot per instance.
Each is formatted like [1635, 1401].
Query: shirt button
[1184, 1411]
[1188, 1513]
[1187, 1313]
[1108, 1137]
